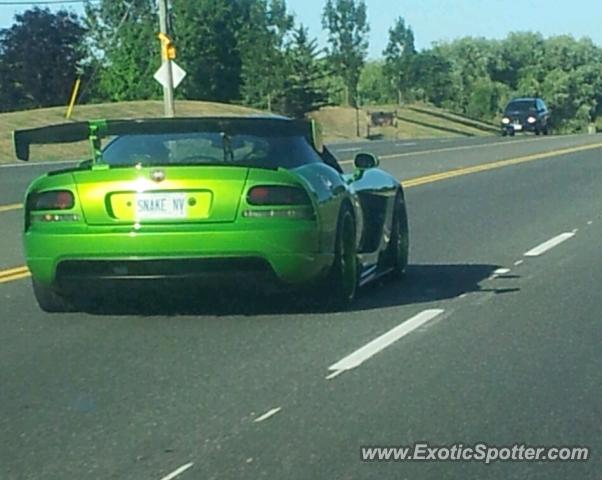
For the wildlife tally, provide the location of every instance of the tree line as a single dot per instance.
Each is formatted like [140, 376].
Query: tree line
[477, 76]
[255, 53]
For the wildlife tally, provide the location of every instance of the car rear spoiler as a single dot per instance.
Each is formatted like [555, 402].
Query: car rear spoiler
[96, 130]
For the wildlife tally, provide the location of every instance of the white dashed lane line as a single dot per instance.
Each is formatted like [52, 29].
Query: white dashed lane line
[177, 472]
[553, 242]
[362, 354]
[498, 272]
[268, 414]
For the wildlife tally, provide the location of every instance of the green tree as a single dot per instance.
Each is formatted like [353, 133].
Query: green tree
[574, 96]
[40, 58]
[206, 33]
[303, 91]
[486, 98]
[567, 54]
[263, 31]
[373, 86]
[399, 55]
[332, 84]
[473, 60]
[520, 56]
[432, 78]
[347, 25]
[124, 40]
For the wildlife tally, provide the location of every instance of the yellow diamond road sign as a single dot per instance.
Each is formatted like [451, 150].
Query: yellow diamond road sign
[177, 72]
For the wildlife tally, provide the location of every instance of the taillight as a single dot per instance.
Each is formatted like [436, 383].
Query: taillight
[277, 195]
[52, 200]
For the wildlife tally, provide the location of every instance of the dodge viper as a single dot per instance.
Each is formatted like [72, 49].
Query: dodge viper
[256, 199]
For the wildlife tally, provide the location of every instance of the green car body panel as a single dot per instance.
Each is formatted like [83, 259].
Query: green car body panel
[296, 242]
[296, 249]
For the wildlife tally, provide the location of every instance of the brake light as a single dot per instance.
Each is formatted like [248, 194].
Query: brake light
[52, 200]
[277, 195]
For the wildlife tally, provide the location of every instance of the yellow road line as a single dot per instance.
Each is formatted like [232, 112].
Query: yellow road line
[483, 167]
[14, 278]
[14, 274]
[8, 208]
[11, 271]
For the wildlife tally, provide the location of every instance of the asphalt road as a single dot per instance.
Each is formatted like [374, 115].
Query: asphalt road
[505, 269]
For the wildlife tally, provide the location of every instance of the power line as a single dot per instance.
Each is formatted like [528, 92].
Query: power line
[41, 2]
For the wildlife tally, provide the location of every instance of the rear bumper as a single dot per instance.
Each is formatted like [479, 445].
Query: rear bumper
[285, 255]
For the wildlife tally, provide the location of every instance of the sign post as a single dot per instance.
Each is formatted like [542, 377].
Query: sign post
[166, 50]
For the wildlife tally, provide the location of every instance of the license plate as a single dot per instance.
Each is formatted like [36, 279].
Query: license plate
[156, 206]
[517, 126]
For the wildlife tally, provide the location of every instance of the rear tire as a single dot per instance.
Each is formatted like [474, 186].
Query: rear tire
[50, 300]
[342, 282]
[398, 250]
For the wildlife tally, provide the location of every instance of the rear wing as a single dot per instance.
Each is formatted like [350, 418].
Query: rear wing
[64, 133]
[96, 130]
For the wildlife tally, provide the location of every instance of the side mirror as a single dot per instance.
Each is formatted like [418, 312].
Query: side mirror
[364, 161]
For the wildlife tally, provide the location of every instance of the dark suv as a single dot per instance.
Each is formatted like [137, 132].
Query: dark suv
[526, 115]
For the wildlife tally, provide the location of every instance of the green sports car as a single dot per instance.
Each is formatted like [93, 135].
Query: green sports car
[255, 199]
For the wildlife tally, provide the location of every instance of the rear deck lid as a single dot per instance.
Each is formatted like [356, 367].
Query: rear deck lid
[170, 194]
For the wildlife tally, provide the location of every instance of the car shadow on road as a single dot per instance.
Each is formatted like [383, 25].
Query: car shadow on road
[426, 283]
[423, 283]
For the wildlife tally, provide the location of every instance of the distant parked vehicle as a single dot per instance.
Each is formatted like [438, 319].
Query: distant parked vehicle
[526, 115]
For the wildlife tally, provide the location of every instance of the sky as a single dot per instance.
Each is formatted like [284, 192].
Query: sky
[441, 20]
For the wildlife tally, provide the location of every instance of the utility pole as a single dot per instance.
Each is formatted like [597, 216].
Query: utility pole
[168, 90]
